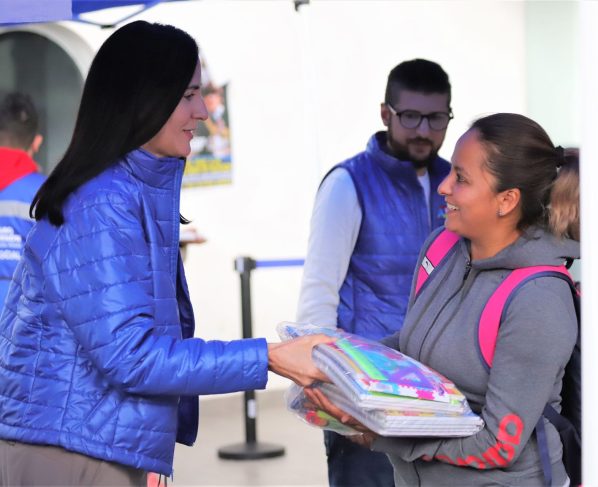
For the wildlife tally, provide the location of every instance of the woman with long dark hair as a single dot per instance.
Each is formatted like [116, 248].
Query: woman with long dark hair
[100, 372]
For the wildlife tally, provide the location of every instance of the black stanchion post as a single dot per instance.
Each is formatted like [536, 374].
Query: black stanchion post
[251, 449]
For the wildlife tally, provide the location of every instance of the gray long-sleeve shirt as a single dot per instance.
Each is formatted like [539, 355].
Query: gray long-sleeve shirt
[534, 343]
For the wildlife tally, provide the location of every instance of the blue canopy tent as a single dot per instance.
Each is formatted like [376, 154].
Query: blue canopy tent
[33, 11]
[81, 6]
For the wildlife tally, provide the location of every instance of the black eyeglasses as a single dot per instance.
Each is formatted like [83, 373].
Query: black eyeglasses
[411, 119]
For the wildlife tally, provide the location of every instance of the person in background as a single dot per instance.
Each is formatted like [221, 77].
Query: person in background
[371, 216]
[99, 367]
[565, 215]
[19, 180]
[513, 198]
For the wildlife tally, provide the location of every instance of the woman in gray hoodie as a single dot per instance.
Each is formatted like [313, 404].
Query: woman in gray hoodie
[498, 196]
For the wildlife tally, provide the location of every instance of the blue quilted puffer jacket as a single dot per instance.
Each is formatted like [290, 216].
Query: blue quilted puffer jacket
[96, 347]
[395, 223]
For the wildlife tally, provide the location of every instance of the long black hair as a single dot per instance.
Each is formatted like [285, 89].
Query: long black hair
[135, 82]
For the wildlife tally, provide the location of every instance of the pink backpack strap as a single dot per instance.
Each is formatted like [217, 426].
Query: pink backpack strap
[438, 249]
[495, 307]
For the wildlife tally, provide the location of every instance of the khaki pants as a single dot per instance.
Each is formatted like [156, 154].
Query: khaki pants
[23, 464]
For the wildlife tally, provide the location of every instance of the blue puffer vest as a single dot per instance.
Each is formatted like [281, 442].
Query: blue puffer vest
[394, 226]
[96, 347]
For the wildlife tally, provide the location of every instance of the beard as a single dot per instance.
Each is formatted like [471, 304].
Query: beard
[405, 153]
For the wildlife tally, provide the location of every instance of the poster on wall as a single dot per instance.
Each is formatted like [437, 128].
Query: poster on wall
[210, 161]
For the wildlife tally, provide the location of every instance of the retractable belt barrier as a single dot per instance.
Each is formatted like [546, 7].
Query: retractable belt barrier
[251, 449]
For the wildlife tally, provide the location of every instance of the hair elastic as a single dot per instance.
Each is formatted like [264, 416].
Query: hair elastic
[560, 153]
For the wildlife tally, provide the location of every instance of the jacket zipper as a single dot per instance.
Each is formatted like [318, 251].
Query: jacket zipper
[467, 269]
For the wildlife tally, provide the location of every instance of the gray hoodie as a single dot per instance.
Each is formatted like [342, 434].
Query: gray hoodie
[534, 343]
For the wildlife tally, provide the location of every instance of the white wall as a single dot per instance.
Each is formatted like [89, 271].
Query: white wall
[304, 94]
[553, 61]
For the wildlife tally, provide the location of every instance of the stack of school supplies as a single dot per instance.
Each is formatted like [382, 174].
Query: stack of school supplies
[387, 391]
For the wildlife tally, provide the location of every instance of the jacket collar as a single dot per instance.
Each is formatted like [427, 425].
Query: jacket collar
[158, 172]
[14, 164]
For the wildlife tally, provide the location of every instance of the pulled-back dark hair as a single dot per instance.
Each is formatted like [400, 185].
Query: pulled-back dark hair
[135, 82]
[418, 75]
[521, 155]
[18, 121]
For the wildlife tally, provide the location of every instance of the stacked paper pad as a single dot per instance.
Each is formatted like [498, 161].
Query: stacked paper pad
[389, 392]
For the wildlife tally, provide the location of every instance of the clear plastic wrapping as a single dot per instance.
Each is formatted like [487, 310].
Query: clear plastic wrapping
[387, 391]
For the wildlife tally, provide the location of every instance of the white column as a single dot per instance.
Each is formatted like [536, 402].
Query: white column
[589, 247]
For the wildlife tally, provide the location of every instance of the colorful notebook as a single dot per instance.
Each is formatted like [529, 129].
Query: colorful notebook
[389, 392]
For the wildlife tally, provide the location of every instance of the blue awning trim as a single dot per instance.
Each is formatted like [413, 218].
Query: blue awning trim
[82, 6]
[14, 12]
[120, 3]
[27, 11]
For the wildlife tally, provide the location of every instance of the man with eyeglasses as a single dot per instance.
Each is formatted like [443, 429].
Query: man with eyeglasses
[371, 217]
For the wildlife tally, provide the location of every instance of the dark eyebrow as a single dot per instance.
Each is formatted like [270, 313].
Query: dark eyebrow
[456, 167]
[193, 87]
